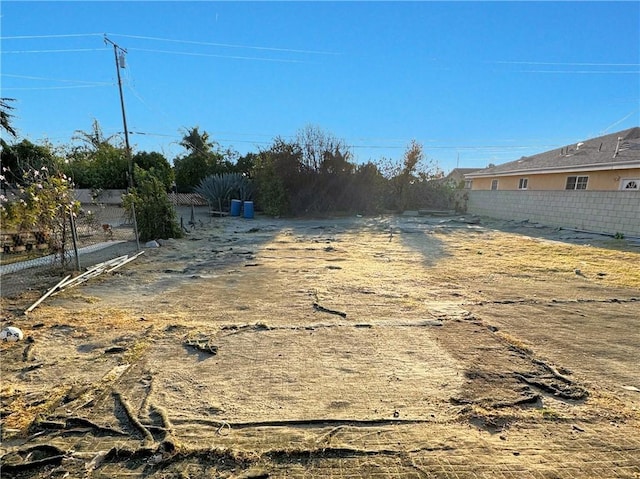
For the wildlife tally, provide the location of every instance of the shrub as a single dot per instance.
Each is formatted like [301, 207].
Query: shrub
[44, 204]
[155, 215]
[218, 190]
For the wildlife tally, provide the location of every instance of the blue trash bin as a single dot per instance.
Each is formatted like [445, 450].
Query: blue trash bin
[235, 207]
[248, 209]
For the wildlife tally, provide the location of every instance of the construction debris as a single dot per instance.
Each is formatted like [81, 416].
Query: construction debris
[96, 270]
[47, 294]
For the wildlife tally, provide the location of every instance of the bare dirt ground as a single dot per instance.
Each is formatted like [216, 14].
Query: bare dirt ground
[342, 347]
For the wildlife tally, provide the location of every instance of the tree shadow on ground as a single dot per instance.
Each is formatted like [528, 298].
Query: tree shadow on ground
[562, 234]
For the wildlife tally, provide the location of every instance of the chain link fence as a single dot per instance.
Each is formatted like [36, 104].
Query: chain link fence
[33, 260]
[103, 223]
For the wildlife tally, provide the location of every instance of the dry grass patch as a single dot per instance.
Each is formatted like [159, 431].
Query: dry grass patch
[25, 409]
[504, 253]
[517, 343]
[89, 318]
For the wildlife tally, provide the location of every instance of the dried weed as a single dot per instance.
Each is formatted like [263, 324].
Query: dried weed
[517, 343]
[521, 255]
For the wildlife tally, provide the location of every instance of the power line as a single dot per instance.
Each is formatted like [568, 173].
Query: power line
[56, 87]
[169, 40]
[235, 57]
[225, 45]
[457, 147]
[389, 147]
[166, 117]
[65, 35]
[27, 77]
[569, 64]
[150, 134]
[62, 50]
[583, 72]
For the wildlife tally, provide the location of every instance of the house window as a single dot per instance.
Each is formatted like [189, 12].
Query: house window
[630, 184]
[467, 184]
[577, 182]
[494, 184]
[523, 183]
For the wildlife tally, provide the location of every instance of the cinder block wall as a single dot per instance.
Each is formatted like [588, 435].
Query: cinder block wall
[608, 212]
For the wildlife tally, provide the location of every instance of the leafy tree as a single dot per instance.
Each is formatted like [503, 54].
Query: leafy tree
[20, 158]
[44, 203]
[336, 162]
[312, 174]
[204, 157]
[97, 162]
[403, 176]
[277, 175]
[327, 175]
[111, 164]
[104, 168]
[191, 169]
[411, 183]
[271, 194]
[315, 143]
[412, 156]
[331, 185]
[155, 215]
[368, 189]
[156, 164]
[80, 168]
[245, 164]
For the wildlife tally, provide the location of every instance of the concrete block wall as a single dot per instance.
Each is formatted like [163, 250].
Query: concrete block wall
[608, 212]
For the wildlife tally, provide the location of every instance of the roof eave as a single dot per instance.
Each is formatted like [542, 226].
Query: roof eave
[560, 169]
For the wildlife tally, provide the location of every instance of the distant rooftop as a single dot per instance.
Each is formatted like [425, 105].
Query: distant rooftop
[618, 150]
[462, 171]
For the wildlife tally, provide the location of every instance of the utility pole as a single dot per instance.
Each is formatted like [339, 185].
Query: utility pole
[120, 64]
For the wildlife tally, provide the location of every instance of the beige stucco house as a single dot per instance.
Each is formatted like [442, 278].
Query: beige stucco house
[591, 185]
[606, 163]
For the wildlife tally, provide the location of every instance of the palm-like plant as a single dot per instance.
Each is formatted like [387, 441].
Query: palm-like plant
[5, 116]
[245, 188]
[195, 142]
[219, 189]
[94, 139]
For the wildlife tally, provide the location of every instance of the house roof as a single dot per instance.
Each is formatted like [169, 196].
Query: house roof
[460, 171]
[614, 151]
[456, 175]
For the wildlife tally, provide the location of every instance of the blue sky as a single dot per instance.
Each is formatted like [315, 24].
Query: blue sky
[474, 82]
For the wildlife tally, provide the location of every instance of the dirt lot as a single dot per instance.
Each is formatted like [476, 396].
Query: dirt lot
[343, 347]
